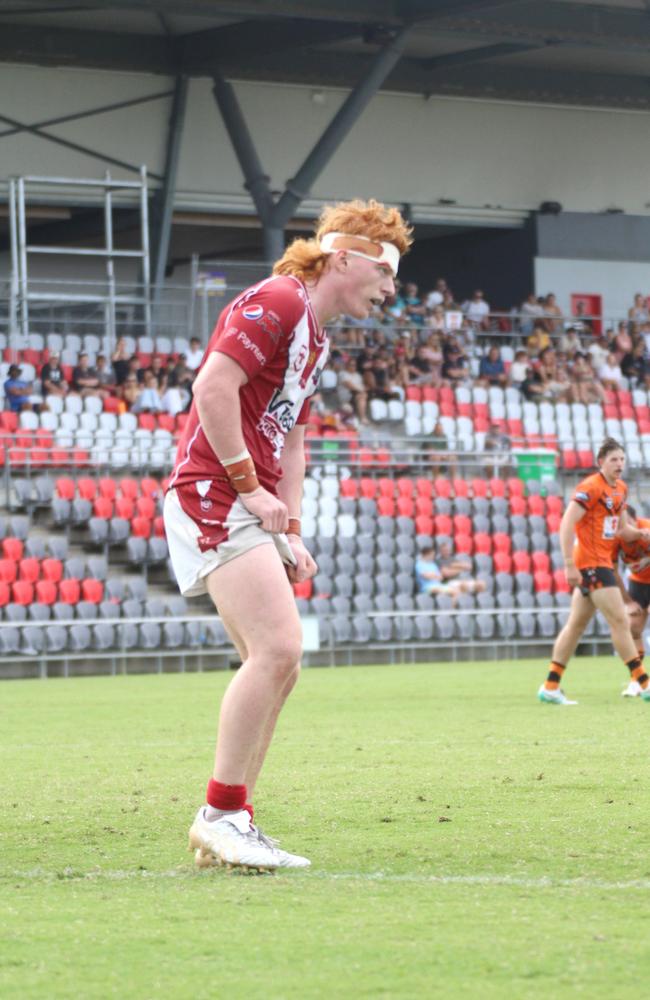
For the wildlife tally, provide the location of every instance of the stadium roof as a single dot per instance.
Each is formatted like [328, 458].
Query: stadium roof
[577, 52]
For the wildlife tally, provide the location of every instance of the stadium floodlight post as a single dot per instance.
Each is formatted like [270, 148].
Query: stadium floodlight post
[146, 275]
[14, 286]
[109, 308]
[163, 201]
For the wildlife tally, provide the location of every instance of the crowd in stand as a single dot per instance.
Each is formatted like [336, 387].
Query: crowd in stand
[433, 340]
[142, 384]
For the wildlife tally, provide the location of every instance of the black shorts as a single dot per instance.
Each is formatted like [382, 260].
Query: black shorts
[639, 592]
[596, 578]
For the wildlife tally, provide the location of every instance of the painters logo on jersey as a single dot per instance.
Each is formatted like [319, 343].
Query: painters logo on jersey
[253, 312]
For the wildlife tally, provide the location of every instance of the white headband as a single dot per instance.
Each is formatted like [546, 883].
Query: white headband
[377, 252]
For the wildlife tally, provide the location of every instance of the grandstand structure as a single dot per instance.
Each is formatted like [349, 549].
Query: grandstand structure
[84, 576]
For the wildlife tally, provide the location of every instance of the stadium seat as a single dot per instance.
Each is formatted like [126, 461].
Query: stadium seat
[69, 591]
[22, 592]
[29, 569]
[8, 570]
[92, 590]
[12, 548]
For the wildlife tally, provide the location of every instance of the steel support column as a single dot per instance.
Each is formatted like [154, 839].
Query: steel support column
[163, 202]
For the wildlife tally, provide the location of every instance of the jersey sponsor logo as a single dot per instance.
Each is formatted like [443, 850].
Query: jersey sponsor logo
[248, 344]
[271, 325]
[206, 505]
[253, 312]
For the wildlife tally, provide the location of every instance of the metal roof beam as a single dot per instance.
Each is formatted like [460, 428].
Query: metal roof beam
[480, 54]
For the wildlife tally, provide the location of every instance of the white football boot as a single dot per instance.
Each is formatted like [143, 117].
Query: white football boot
[555, 697]
[231, 841]
[633, 690]
[286, 860]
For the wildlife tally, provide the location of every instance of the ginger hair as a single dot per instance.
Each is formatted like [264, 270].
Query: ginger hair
[304, 258]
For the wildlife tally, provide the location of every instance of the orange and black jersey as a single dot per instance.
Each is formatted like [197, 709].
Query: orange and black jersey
[632, 552]
[596, 534]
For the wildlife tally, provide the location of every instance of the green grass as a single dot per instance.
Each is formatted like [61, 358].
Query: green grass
[466, 841]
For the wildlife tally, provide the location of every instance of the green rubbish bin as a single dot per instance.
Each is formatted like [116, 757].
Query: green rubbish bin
[536, 463]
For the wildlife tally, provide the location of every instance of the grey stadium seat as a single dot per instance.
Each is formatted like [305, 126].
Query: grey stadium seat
[173, 635]
[136, 587]
[444, 627]
[341, 629]
[104, 636]
[80, 637]
[149, 635]
[9, 640]
[32, 640]
[361, 629]
[56, 638]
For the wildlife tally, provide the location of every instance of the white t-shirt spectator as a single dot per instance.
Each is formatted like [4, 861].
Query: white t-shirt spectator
[476, 310]
[598, 353]
[194, 357]
[610, 373]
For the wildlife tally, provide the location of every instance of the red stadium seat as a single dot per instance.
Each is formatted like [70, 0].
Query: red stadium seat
[22, 592]
[69, 591]
[129, 487]
[52, 569]
[536, 505]
[541, 562]
[181, 420]
[385, 506]
[515, 487]
[348, 488]
[92, 591]
[570, 459]
[423, 525]
[460, 487]
[150, 487]
[5, 593]
[103, 507]
[146, 507]
[442, 487]
[553, 523]
[141, 527]
[586, 459]
[517, 505]
[559, 582]
[480, 487]
[554, 505]
[9, 421]
[113, 405]
[159, 526]
[12, 548]
[29, 569]
[386, 487]
[502, 562]
[424, 505]
[303, 589]
[502, 542]
[414, 393]
[462, 524]
[542, 581]
[46, 592]
[521, 561]
[108, 488]
[430, 394]
[368, 487]
[8, 570]
[87, 488]
[124, 507]
[424, 487]
[405, 486]
[483, 543]
[497, 487]
[442, 524]
[405, 506]
[464, 544]
[65, 488]
[167, 422]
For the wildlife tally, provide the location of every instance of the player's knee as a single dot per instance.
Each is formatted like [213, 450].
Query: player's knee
[283, 655]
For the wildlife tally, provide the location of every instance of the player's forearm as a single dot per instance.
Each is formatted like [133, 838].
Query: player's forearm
[567, 541]
[219, 411]
[630, 534]
[290, 485]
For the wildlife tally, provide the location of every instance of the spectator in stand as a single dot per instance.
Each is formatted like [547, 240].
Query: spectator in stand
[85, 380]
[634, 365]
[53, 381]
[498, 445]
[532, 312]
[352, 390]
[149, 399]
[519, 368]
[532, 388]
[477, 311]
[538, 341]
[420, 369]
[455, 566]
[644, 333]
[492, 370]
[610, 374]
[158, 371]
[638, 314]
[414, 308]
[130, 389]
[455, 368]
[437, 296]
[553, 314]
[555, 380]
[381, 379]
[179, 374]
[106, 376]
[598, 351]
[195, 354]
[17, 390]
[585, 387]
[120, 361]
[580, 322]
[431, 579]
[435, 319]
[432, 351]
[570, 342]
[622, 343]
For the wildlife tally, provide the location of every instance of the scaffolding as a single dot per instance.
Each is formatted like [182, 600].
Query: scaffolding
[26, 291]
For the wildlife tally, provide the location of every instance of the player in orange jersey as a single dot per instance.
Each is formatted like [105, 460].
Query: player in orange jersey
[636, 596]
[597, 516]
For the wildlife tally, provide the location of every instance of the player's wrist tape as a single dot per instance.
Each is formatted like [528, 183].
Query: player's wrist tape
[236, 458]
[294, 526]
[242, 476]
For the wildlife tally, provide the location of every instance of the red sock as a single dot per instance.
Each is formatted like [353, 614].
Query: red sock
[229, 798]
[248, 806]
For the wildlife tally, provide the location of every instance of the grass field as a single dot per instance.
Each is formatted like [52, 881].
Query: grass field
[465, 840]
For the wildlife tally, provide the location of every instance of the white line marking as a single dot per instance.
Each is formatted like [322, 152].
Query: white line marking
[187, 871]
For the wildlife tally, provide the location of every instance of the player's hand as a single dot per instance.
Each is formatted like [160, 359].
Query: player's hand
[273, 514]
[305, 566]
[641, 564]
[573, 576]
